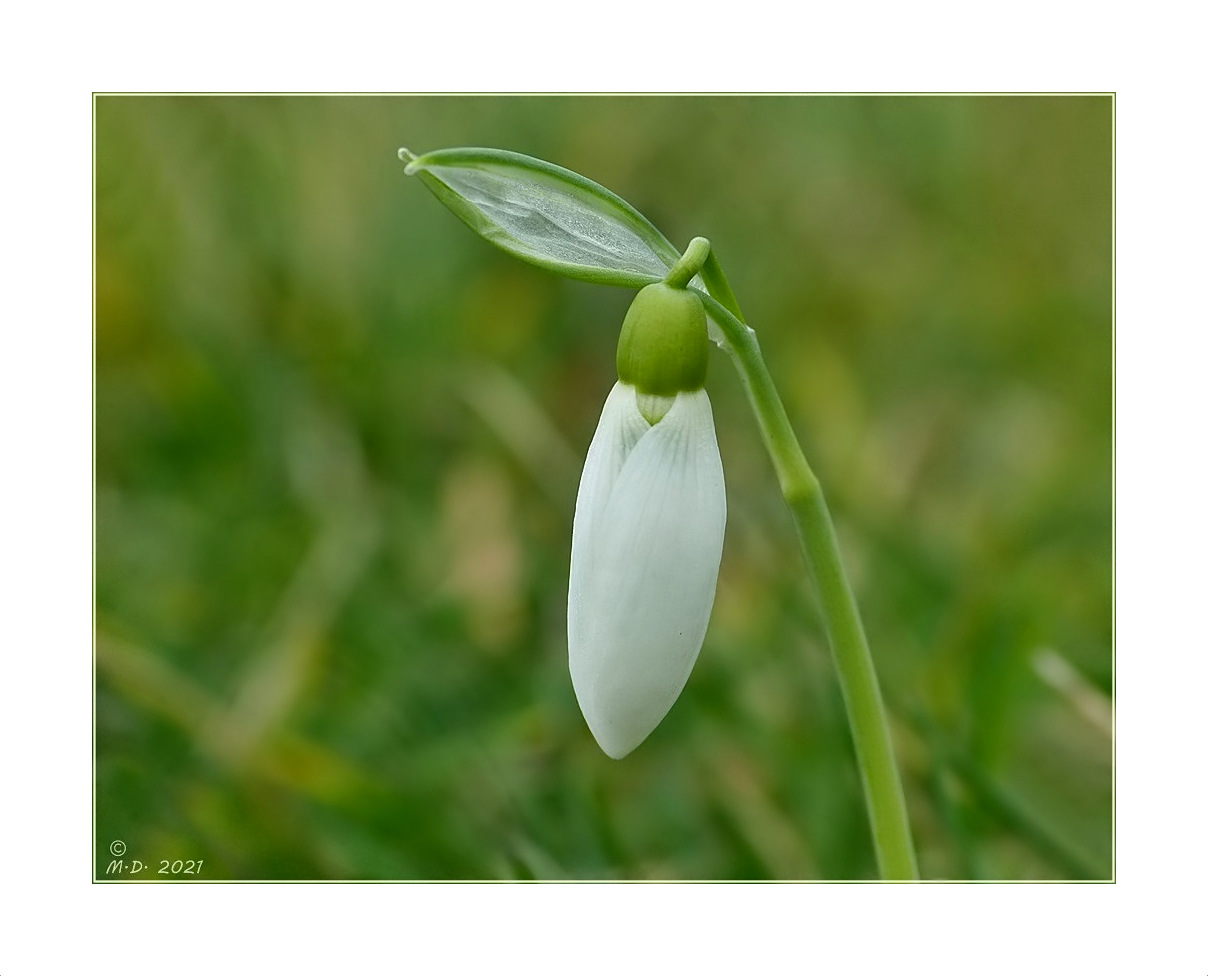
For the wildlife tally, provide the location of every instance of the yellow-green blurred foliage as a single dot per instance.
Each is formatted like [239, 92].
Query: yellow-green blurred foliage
[337, 450]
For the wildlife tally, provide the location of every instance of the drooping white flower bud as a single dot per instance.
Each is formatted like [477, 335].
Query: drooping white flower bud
[649, 524]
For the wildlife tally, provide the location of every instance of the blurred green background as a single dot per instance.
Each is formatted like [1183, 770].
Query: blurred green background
[338, 441]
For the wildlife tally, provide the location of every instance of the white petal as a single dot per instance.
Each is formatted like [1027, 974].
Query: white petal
[621, 426]
[644, 572]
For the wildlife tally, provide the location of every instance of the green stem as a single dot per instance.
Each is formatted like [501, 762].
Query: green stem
[849, 647]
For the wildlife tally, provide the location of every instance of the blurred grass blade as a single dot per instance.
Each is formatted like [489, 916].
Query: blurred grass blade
[546, 215]
[1003, 804]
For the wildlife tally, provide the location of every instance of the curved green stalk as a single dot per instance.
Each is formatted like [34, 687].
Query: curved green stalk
[849, 647]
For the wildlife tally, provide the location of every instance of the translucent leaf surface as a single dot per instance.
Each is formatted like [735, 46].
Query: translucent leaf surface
[546, 215]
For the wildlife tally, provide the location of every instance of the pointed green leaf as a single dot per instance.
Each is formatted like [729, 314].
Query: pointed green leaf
[546, 215]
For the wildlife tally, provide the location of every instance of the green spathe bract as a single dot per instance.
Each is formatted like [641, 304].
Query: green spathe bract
[546, 215]
[664, 344]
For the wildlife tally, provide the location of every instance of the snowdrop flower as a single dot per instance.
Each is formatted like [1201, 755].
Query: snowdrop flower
[649, 522]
